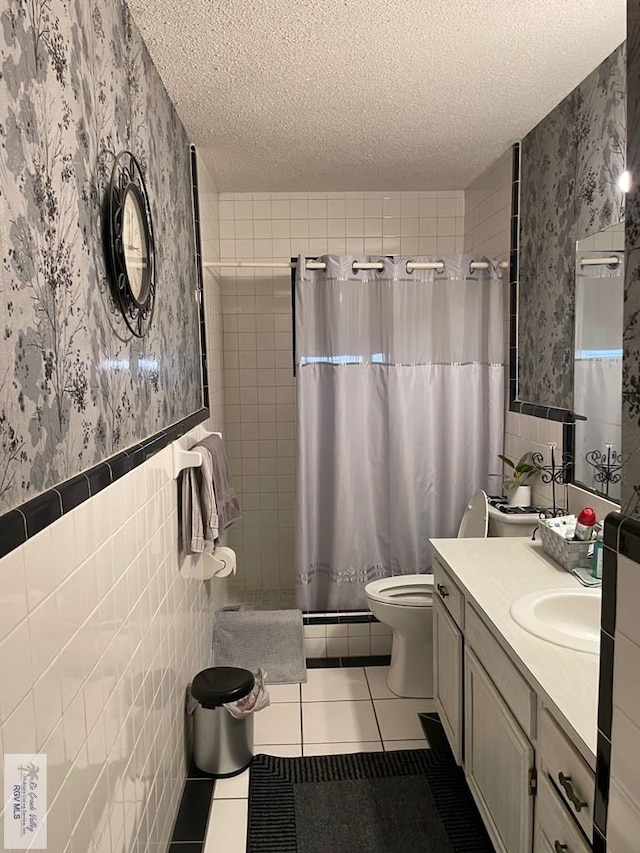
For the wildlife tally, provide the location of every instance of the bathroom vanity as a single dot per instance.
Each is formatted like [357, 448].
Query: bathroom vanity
[519, 711]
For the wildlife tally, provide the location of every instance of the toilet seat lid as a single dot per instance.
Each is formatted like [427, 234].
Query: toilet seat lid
[413, 590]
[475, 519]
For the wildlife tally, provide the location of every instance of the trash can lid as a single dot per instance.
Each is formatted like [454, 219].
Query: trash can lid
[221, 684]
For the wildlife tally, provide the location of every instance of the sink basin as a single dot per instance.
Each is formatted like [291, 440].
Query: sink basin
[566, 617]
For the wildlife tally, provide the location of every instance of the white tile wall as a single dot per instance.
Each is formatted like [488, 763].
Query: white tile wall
[524, 433]
[102, 638]
[623, 821]
[488, 211]
[347, 640]
[258, 382]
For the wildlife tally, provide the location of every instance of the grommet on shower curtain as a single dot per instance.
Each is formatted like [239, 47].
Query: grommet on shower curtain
[406, 266]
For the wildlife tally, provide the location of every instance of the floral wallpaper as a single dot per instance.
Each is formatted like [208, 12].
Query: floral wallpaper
[631, 338]
[570, 165]
[77, 86]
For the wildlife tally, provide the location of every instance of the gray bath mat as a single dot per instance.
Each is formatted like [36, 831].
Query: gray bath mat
[271, 639]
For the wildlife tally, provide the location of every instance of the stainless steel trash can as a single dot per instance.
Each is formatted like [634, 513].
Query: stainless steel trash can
[222, 745]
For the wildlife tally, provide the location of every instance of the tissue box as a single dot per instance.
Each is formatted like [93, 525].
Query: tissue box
[564, 551]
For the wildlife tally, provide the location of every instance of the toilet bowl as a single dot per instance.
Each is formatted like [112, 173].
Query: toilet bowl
[404, 603]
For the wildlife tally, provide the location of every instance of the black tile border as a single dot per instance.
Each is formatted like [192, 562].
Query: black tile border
[13, 531]
[73, 492]
[193, 812]
[20, 524]
[186, 847]
[629, 539]
[611, 531]
[41, 511]
[433, 730]
[605, 684]
[337, 618]
[599, 843]
[603, 776]
[340, 662]
[609, 590]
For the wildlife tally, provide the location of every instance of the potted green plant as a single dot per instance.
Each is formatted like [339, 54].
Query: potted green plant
[516, 481]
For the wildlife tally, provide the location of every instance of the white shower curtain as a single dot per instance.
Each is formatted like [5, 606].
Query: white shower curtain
[400, 387]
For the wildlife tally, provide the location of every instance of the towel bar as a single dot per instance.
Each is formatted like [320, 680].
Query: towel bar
[183, 458]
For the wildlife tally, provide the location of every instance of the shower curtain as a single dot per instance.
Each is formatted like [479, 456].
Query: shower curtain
[400, 407]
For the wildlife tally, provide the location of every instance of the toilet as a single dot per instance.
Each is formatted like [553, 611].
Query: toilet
[405, 602]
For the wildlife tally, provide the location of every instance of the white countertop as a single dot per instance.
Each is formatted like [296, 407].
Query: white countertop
[493, 573]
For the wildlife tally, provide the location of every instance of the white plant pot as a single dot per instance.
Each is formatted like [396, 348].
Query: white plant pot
[520, 496]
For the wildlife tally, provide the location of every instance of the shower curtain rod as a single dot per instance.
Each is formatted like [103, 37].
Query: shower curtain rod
[364, 265]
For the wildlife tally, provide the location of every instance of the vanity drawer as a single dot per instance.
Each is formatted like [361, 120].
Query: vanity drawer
[511, 685]
[555, 831]
[572, 777]
[448, 593]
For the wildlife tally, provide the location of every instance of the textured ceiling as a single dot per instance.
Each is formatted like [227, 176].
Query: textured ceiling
[368, 94]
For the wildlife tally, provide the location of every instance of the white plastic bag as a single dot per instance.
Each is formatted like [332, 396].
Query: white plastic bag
[256, 700]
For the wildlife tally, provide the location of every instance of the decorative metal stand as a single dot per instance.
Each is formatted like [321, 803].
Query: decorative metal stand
[555, 473]
[607, 465]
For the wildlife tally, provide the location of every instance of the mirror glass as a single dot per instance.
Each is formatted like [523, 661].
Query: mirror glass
[598, 360]
[135, 245]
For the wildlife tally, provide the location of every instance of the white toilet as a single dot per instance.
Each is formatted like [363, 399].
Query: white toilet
[404, 603]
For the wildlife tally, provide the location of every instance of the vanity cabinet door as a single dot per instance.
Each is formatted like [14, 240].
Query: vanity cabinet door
[498, 762]
[447, 676]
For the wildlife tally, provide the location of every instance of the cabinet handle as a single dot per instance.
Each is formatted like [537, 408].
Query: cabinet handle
[444, 592]
[560, 848]
[569, 790]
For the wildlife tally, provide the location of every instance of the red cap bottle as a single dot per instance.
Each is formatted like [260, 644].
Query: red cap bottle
[585, 525]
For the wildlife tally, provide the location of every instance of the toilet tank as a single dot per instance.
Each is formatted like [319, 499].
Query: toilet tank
[501, 524]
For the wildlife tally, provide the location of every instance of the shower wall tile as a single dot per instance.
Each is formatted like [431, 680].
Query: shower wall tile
[488, 210]
[259, 389]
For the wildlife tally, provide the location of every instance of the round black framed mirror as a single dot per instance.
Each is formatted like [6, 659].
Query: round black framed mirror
[128, 229]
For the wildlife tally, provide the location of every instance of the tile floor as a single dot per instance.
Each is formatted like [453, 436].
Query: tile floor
[336, 711]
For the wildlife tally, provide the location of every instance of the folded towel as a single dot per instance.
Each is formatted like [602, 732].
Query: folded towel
[193, 539]
[222, 507]
[209, 502]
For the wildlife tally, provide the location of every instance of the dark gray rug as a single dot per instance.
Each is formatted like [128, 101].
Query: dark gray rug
[373, 802]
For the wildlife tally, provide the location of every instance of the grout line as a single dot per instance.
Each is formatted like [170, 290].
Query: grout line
[301, 724]
[377, 723]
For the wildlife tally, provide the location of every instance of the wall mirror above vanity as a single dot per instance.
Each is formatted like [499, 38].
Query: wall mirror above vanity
[597, 365]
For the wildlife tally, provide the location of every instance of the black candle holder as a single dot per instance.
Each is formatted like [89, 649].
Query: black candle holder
[556, 473]
[607, 466]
